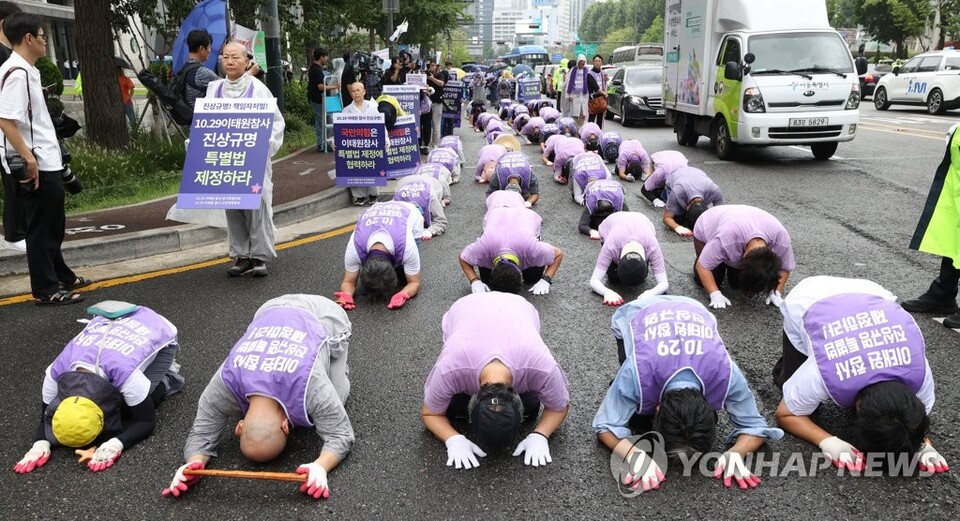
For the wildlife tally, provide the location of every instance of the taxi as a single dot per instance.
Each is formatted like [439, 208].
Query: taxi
[930, 80]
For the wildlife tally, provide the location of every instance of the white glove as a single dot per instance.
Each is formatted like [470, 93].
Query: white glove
[594, 235]
[718, 301]
[181, 482]
[462, 452]
[842, 454]
[649, 478]
[542, 287]
[35, 458]
[657, 203]
[316, 483]
[478, 286]
[730, 466]
[426, 235]
[931, 462]
[105, 455]
[536, 449]
[629, 178]
[682, 230]
[774, 298]
[528, 204]
[612, 298]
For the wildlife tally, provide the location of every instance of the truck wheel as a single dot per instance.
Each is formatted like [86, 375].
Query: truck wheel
[686, 136]
[935, 102]
[723, 145]
[880, 101]
[823, 151]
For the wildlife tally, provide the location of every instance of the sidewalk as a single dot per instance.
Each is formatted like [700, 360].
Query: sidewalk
[138, 238]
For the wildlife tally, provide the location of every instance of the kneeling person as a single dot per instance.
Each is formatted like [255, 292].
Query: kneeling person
[513, 172]
[691, 194]
[425, 192]
[602, 198]
[629, 250]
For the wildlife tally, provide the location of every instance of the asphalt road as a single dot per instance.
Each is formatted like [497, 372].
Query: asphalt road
[852, 216]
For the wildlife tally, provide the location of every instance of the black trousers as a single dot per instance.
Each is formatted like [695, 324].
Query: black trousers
[530, 275]
[944, 287]
[14, 215]
[651, 194]
[788, 363]
[460, 403]
[46, 222]
[597, 118]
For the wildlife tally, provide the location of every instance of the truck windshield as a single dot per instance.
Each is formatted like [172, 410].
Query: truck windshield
[808, 52]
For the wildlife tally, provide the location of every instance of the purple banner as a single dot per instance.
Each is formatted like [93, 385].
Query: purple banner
[403, 156]
[360, 143]
[452, 97]
[227, 154]
[409, 98]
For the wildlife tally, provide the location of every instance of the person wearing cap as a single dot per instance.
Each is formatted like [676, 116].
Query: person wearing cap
[509, 253]
[602, 198]
[629, 247]
[424, 191]
[632, 161]
[532, 130]
[513, 172]
[440, 173]
[663, 163]
[487, 159]
[590, 134]
[563, 153]
[576, 90]
[691, 193]
[496, 378]
[847, 341]
[449, 159]
[116, 369]
[288, 370]
[610, 146]
[747, 244]
[585, 168]
[382, 259]
[675, 374]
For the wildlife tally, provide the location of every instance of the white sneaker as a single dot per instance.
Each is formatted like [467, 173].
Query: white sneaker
[16, 246]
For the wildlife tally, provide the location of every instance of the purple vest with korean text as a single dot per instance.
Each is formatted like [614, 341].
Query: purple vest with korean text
[390, 217]
[586, 167]
[604, 190]
[514, 164]
[451, 142]
[418, 193]
[445, 157]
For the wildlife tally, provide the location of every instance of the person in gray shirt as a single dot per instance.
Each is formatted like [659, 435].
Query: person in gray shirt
[199, 76]
[288, 370]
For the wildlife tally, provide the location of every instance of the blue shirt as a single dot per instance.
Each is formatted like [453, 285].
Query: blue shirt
[623, 397]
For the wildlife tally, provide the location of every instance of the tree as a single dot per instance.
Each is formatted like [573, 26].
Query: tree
[615, 39]
[841, 13]
[654, 33]
[949, 21]
[893, 20]
[105, 122]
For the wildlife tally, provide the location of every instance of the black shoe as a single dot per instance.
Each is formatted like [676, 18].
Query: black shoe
[953, 321]
[259, 268]
[925, 304]
[372, 199]
[358, 201]
[241, 267]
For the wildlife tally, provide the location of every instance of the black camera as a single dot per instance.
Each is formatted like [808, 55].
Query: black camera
[71, 182]
[18, 170]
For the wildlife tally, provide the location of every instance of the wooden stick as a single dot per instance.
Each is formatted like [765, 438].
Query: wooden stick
[245, 474]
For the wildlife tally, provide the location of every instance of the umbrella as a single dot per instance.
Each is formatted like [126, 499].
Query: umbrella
[520, 69]
[459, 72]
[474, 67]
[210, 15]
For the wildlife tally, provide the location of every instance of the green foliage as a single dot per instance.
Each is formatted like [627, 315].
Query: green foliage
[602, 19]
[654, 33]
[893, 20]
[296, 104]
[615, 39]
[50, 75]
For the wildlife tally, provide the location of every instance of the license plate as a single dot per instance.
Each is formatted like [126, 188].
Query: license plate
[661, 112]
[809, 122]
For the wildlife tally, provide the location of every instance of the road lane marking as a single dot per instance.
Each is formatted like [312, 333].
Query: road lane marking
[941, 132]
[109, 283]
[941, 137]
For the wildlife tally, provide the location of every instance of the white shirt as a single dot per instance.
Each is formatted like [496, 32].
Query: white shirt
[805, 390]
[369, 107]
[411, 254]
[13, 106]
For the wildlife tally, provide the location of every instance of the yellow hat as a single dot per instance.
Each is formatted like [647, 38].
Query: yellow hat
[509, 142]
[77, 422]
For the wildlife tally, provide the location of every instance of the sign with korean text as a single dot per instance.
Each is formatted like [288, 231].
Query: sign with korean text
[528, 89]
[228, 153]
[360, 143]
[403, 156]
[419, 80]
[409, 98]
[452, 96]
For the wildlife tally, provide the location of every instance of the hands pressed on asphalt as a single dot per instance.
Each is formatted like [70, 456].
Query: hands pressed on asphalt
[931, 461]
[345, 300]
[842, 454]
[535, 449]
[478, 287]
[462, 453]
[105, 455]
[181, 482]
[612, 298]
[398, 300]
[774, 298]
[542, 287]
[683, 231]
[316, 484]
[730, 467]
[644, 473]
[718, 301]
[36, 457]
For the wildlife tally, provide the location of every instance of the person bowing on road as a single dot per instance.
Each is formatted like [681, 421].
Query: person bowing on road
[847, 341]
[602, 198]
[495, 377]
[425, 192]
[509, 253]
[304, 384]
[663, 163]
[748, 245]
[513, 172]
[586, 168]
[633, 161]
[675, 374]
[382, 256]
[630, 249]
[487, 159]
[120, 367]
[691, 194]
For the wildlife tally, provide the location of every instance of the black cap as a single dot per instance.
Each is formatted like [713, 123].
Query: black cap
[635, 169]
[632, 269]
[496, 412]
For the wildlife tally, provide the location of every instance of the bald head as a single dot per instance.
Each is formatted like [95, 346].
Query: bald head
[263, 431]
[235, 60]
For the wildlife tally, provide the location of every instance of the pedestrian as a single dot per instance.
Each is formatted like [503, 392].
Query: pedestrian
[67, 71]
[834, 349]
[476, 84]
[632, 161]
[425, 192]
[89, 390]
[509, 253]
[654, 177]
[317, 90]
[199, 76]
[745, 244]
[76, 69]
[602, 198]
[426, 119]
[628, 251]
[676, 391]
[936, 234]
[436, 78]
[692, 192]
[349, 77]
[564, 150]
[452, 120]
[34, 164]
[577, 90]
[249, 232]
[7, 9]
[495, 377]
[360, 105]
[14, 216]
[126, 97]
[585, 168]
[597, 89]
[513, 172]
[397, 74]
[382, 260]
[487, 159]
[307, 387]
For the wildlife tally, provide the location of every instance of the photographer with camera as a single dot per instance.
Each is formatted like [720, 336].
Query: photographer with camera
[32, 157]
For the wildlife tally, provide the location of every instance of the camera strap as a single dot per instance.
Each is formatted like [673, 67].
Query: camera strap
[29, 101]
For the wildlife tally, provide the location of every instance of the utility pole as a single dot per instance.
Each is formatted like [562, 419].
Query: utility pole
[390, 7]
[271, 30]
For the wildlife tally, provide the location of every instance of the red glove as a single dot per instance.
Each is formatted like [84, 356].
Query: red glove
[37, 457]
[398, 300]
[105, 455]
[181, 481]
[345, 300]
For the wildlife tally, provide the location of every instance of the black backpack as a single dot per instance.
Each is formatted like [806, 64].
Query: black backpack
[173, 97]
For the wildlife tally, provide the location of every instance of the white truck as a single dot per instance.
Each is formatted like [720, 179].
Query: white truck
[758, 73]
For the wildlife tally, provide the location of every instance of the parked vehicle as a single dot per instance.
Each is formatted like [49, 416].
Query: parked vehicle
[635, 94]
[869, 79]
[931, 79]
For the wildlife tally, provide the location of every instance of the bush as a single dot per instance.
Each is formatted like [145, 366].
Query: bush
[296, 104]
[50, 74]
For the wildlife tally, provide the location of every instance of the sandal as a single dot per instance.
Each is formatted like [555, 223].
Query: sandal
[60, 298]
[79, 282]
